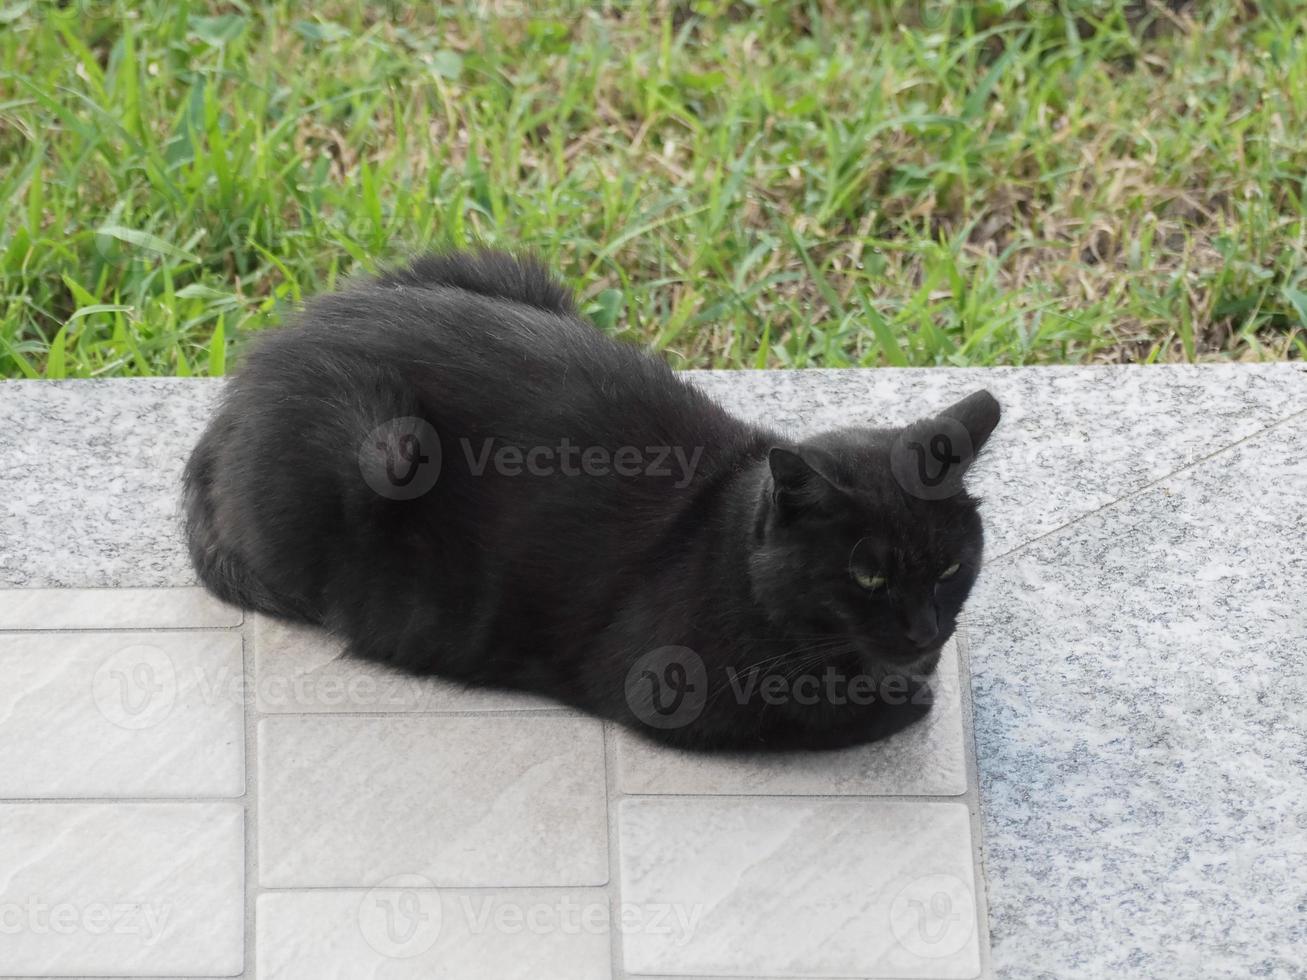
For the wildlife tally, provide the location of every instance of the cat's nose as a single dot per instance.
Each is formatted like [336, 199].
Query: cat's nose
[922, 626]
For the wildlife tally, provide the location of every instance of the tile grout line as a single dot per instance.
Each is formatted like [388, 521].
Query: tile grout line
[612, 801]
[77, 630]
[251, 706]
[1152, 484]
[973, 797]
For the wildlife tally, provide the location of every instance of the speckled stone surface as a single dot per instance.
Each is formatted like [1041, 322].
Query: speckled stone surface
[1072, 439]
[1140, 681]
[1137, 644]
[91, 468]
[90, 480]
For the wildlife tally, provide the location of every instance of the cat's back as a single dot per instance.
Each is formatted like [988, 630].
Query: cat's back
[492, 340]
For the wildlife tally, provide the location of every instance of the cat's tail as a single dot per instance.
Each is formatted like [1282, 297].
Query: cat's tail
[521, 278]
[220, 570]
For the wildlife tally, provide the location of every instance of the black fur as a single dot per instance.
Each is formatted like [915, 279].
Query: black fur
[582, 584]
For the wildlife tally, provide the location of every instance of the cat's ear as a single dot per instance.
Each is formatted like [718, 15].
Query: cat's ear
[979, 413]
[930, 457]
[796, 484]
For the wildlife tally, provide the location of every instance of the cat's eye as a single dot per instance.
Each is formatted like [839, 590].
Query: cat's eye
[868, 581]
[949, 572]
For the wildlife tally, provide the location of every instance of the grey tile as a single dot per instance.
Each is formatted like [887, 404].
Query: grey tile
[408, 929]
[302, 669]
[491, 800]
[122, 889]
[799, 888]
[927, 759]
[1140, 694]
[121, 714]
[112, 609]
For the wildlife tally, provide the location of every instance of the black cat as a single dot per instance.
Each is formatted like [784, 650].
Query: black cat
[451, 469]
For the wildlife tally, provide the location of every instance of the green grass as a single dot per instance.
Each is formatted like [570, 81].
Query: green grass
[751, 183]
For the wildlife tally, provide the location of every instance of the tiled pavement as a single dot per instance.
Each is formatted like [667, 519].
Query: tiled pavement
[187, 793]
[398, 827]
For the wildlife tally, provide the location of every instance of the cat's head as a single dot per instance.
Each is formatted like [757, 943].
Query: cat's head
[869, 536]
